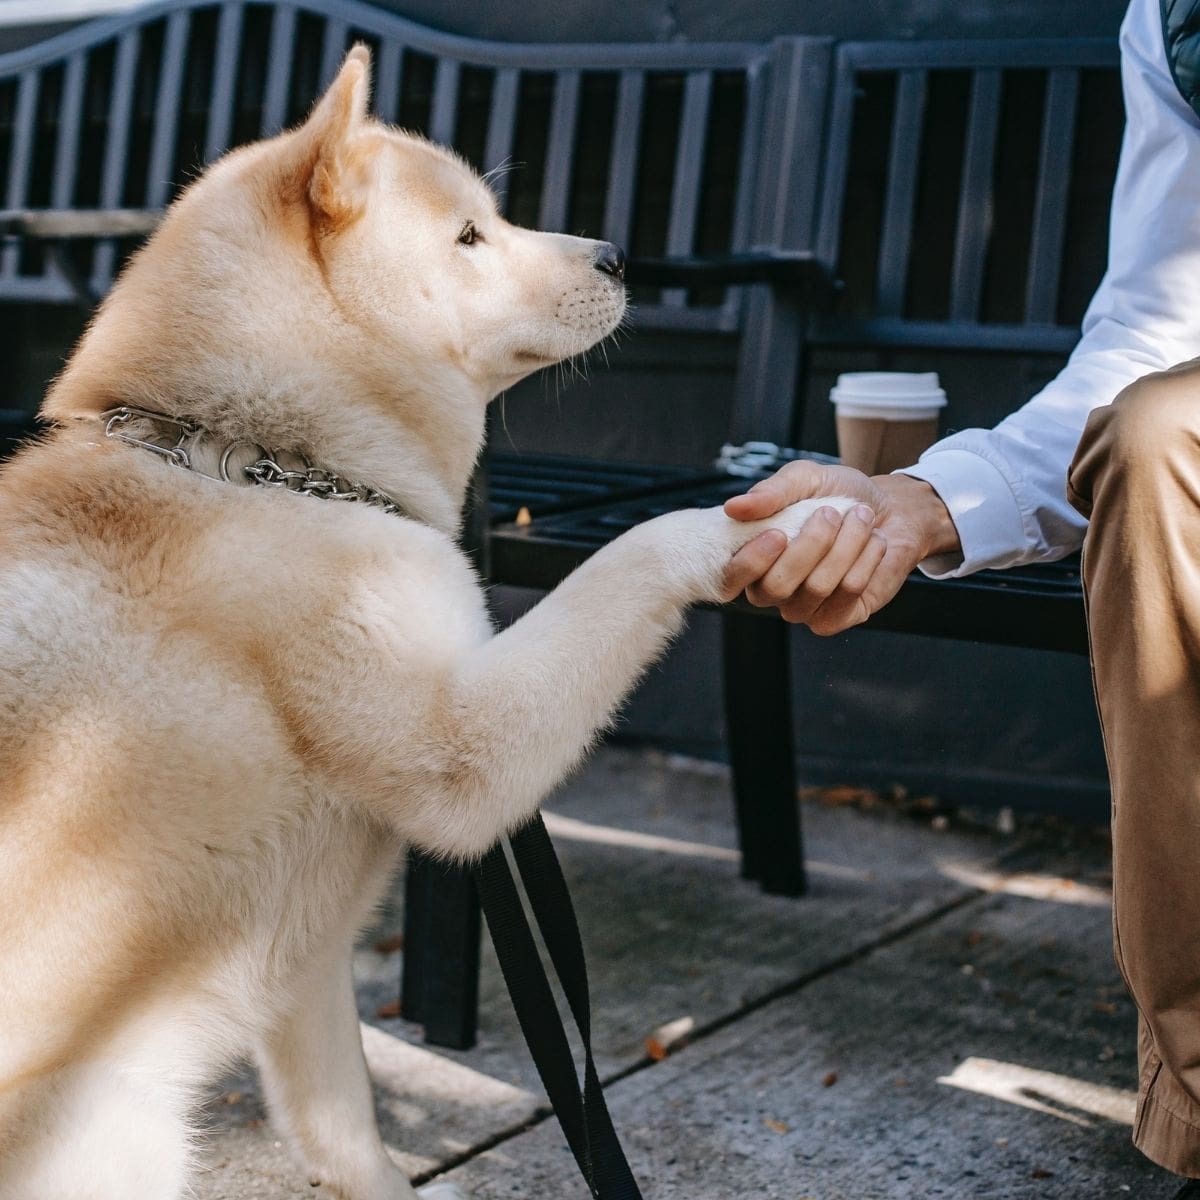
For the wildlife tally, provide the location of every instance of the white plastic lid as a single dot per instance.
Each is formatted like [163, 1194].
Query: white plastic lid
[896, 391]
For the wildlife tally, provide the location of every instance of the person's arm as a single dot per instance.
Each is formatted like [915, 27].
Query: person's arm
[1005, 487]
[995, 498]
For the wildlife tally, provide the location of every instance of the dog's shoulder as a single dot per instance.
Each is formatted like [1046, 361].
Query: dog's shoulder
[196, 553]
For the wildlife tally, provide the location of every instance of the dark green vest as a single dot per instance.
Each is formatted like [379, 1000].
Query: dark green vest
[1181, 34]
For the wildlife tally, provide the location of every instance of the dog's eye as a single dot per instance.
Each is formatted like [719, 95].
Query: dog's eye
[469, 235]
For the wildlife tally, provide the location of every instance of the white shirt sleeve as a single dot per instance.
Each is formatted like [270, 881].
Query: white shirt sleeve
[1006, 487]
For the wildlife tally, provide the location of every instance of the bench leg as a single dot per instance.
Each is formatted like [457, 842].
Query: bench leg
[758, 717]
[440, 985]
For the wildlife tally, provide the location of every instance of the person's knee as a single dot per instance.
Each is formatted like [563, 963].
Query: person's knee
[1146, 438]
[1153, 416]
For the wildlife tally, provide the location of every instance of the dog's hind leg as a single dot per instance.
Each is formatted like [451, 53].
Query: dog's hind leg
[95, 1132]
[318, 1090]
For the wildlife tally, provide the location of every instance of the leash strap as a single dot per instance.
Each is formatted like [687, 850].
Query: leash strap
[582, 1113]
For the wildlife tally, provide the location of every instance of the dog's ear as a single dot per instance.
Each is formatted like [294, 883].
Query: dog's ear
[333, 161]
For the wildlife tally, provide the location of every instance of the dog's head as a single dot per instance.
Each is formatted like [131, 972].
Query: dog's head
[354, 252]
[413, 246]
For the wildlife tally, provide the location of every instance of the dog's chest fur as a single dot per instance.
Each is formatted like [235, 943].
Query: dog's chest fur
[180, 662]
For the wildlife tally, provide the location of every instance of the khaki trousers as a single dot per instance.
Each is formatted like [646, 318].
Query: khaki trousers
[1136, 474]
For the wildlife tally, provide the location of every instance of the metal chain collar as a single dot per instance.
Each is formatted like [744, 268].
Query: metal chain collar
[266, 470]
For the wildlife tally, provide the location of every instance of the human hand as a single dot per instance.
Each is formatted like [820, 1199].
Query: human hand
[837, 571]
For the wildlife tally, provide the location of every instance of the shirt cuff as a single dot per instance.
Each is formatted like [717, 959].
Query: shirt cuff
[982, 506]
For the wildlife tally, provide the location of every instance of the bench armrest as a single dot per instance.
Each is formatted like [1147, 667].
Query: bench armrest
[798, 269]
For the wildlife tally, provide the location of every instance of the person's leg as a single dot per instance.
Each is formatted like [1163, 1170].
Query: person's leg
[1137, 476]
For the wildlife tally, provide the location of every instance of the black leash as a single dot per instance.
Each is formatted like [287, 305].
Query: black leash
[582, 1113]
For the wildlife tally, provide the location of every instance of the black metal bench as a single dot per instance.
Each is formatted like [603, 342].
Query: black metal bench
[879, 300]
[738, 225]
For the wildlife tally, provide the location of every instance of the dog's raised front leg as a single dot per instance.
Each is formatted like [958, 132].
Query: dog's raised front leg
[524, 707]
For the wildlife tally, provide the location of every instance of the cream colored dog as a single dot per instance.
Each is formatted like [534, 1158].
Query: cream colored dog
[226, 708]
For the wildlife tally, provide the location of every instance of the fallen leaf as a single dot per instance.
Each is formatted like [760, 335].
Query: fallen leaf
[830, 1079]
[388, 1010]
[777, 1126]
[669, 1037]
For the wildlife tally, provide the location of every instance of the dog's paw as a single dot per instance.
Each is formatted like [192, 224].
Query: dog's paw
[791, 520]
[443, 1191]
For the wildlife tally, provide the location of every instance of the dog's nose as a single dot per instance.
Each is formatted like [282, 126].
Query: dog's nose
[611, 260]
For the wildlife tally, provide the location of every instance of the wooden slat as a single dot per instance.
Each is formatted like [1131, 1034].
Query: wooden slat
[280, 53]
[116, 149]
[387, 80]
[1050, 203]
[975, 212]
[623, 161]
[556, 180]
[70, 119]
[166, 109]
[21, 157]
[225, 65]
[896, 239]
[444, 109]
[333, 50]
[689, 167]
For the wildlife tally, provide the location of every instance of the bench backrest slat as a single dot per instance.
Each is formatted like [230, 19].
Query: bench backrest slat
[66, 151]
[388, 79]
[224, 81]
[896, 241]
[166, 109]
[280, 53]
[333, 50]
[748, 158]
[21, 157]
[689, 167]
[560, 151]
[1050, 205]
[975, 204]
[502, 120]
[116, 146]
[445, 101]
[623, 162]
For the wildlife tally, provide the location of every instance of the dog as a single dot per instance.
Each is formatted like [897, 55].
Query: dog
[227, 707]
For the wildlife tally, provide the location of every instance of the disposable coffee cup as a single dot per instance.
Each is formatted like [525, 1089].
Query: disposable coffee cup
[885, 419]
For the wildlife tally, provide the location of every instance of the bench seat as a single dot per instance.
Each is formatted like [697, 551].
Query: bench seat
[1039, 606]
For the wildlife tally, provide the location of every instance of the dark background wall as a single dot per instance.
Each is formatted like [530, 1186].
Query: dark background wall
[977, 724]
[728, 20]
